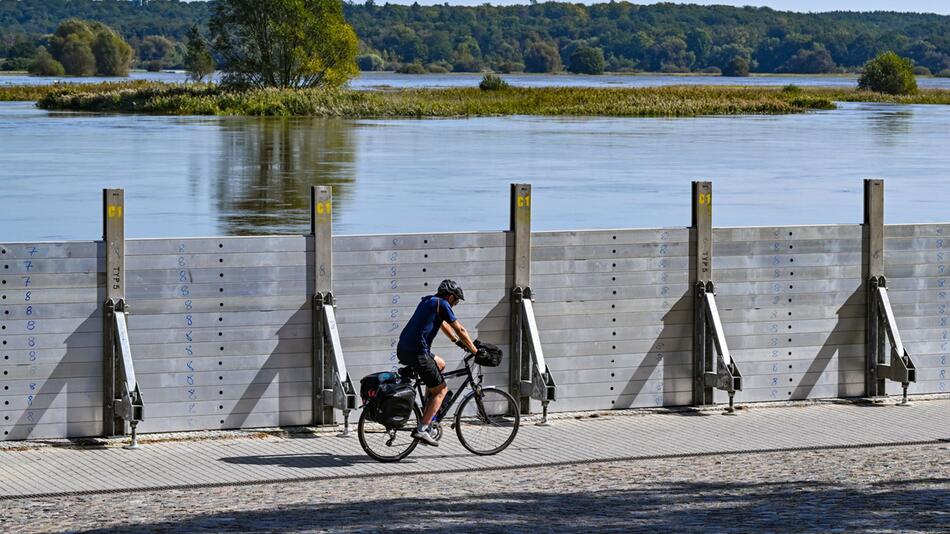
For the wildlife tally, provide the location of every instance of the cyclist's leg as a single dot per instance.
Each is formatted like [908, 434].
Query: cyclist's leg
[430, 371]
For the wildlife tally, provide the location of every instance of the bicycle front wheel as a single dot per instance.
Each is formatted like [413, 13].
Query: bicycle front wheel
[388, 444]
[487, 422]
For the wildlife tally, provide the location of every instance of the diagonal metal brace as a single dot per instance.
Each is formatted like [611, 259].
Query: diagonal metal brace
[725, 376]
[341, 394]
[541, 386]
[129, 405]
[900, 368]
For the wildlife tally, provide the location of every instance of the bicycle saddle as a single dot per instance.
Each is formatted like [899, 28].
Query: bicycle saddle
[407, 373]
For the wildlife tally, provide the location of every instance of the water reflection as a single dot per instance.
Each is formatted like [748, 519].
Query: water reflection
[269, 165]
[890, 127]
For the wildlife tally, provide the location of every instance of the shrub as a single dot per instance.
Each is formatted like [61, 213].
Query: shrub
[715, 71]
[437, 68]
[922, 71]
[154, 65]
[510, 66]
[492, 82]
[542, 57]
[412, 68]
[370, 62]
[78, 59]
[17, 63]
[587, 60]
[44, 64]
[889, 73]
[945, 73]
[792, 89]
[738, 67]
[112, 54]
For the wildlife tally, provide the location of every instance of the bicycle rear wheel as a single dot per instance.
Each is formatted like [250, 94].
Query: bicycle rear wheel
[487, 423]
[388, 445]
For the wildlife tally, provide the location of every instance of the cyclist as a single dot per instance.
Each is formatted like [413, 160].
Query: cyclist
[434, 313]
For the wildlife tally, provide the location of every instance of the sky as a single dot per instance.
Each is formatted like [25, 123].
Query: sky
[924, 6]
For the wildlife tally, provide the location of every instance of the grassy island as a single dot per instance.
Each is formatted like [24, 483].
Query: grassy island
[673, 101]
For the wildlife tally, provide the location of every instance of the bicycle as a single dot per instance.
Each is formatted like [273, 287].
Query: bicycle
[485, 422]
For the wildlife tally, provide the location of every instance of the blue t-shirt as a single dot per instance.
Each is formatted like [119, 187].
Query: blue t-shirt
[417, 336]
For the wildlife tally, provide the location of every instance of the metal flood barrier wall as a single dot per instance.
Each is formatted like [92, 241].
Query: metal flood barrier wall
[224, 334]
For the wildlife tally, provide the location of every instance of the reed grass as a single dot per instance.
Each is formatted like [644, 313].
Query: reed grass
[672, 101]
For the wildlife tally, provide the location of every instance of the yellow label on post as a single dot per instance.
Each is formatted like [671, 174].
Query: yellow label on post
[115, 212]
[705, 199]
[524, 201]
[323, 208]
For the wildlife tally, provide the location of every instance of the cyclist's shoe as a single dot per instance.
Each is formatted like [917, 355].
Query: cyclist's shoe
[424, 437]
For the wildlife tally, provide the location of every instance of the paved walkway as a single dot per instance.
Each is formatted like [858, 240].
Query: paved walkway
[48, 472]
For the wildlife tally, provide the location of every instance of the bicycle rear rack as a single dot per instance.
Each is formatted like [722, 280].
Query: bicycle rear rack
[129, 405]
[709, 335]
[341, 394]
[541, 385]
[881, 324]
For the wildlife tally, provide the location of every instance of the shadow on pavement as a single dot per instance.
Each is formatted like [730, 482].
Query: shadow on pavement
[311, 461]
[800, 506]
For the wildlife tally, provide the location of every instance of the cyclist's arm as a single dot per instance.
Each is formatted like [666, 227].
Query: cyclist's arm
[459, 332]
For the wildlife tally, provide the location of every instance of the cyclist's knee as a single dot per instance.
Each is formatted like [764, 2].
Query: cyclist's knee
[437, 391]
[440, 362]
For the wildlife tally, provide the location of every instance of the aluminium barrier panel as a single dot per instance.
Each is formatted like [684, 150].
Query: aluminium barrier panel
[221, 327]
[917, 270]
[615, 313]
[221, 331]
[792, 301]
[51, 300]
[380, 279]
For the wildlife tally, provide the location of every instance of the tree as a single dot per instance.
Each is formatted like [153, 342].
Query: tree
[284, 43]
[889, 73]
[542, 57]
[157, 48]
[739, 66]
[113, 55]
[370, 62]
[198, 60]
[44, 64]
[587, 60]
[77, 57]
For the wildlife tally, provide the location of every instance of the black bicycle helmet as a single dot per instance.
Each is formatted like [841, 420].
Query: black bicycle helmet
[450, 287]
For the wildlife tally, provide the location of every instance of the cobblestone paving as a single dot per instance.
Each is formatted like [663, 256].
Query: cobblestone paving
[49, 471]
[886, 489]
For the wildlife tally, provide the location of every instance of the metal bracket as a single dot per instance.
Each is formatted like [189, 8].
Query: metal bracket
[541, 386]
[341, 394]
[900, 368]
[726, 376]
[128, 405]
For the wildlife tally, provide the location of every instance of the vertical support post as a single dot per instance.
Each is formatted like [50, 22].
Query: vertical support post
[874, 256]
[321, 228]
[519, 363]
[113, 237]
[701, 252]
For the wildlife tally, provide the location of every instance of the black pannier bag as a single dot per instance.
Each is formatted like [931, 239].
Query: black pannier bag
[387, 400]
[370, 383]
[394, 403]
[488, 355]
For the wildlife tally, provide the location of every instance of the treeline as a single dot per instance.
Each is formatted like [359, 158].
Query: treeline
[541, 37]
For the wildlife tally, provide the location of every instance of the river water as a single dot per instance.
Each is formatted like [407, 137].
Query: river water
[198, 176]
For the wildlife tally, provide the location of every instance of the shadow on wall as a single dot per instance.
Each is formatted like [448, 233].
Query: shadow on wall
[672, 329]
[850, 369]
[273, 368]
[668, 507]
[83, 404]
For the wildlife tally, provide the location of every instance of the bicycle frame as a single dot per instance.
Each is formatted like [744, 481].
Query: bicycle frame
[469, 381]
